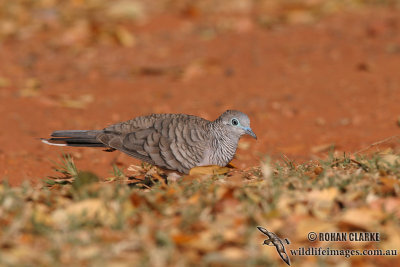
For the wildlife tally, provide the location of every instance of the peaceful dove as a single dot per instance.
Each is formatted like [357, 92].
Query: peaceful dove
[171, 141]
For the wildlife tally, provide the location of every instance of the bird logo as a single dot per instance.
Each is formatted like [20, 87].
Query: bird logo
[274, 240]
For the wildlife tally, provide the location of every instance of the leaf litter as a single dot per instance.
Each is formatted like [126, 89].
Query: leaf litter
[143, 215]
[209, 216]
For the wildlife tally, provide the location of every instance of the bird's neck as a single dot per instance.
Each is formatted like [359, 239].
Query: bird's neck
[223, 144]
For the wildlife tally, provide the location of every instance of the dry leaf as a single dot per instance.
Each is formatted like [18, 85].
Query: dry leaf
[389, 205]
[136, 199]
[231, 165]
[392, 239]
[389, 185]
[31, 88]
[182, 239]
[322, 201]
[233, 253]
[392, 159]
[310, 224]
[361, 218]
[125, 9]
[326, 195]
[193, 70]
[41, 214]
[80, 32]
[300, 16]
[213, 170]
[318, 170]
[86, 209]
[194, 199]
[28, 92]
[88, 252]
[204, 242]
[125, 37]
[78, 103]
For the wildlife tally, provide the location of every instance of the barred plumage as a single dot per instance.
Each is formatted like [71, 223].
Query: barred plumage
[171, 141]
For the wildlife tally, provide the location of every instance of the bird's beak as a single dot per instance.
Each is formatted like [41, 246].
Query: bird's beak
[250, 132]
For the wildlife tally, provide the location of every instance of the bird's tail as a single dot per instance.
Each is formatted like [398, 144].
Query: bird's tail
[79, 138]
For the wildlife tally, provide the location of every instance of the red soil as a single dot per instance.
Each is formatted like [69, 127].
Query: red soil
[304, 87]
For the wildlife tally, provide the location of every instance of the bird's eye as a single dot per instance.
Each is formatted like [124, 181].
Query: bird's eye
[235, 122]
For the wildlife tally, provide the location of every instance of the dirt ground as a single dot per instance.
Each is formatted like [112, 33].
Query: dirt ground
[305, 86]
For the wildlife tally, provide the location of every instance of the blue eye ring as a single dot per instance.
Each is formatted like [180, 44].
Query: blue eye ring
[235, 122]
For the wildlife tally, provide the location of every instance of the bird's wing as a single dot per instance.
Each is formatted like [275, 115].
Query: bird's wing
[171, 141]
[284, 256]
[264, 231]
[280, 248]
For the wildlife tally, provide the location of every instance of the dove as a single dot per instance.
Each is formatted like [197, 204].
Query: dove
[177, 142]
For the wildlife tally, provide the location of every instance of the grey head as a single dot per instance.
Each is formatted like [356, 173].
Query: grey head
[237, 122]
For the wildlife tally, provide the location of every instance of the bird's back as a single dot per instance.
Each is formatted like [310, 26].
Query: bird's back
[172, 141]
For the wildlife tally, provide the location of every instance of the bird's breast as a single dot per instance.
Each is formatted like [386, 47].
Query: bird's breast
[220, 153]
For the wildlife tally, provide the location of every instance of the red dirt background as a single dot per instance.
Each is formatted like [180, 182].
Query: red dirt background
[305, 84]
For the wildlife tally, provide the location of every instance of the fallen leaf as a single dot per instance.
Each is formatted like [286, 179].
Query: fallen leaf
[326, 195]
[391, 159]
[78, 103]
[79, 32]
[389, 205]
[388, 185]
[41, 214]
[233, 253]
[322, 201]
[88, 252]
[193, 70]
[136, 199]
[391, 240]
[31, 88]
[311, 224]
[182, 239]
[318, 170]
[361, 218]
[231, 165]
[204, 242]
[28, 92]
[125, 9]
[88, 209]
[213, 169]
[300, 17]
[125, 37]
[194, 199]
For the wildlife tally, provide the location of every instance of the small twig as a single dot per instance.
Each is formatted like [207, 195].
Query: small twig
[361, 165]
[288, 162]
[377, 143]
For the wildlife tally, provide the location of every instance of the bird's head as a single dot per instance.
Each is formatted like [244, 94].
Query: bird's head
[238, 122]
